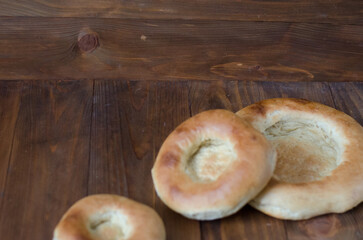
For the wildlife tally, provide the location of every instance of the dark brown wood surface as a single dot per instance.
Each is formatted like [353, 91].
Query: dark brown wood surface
[138, 49]
[327, 11]
[89, 90]
[62, 140]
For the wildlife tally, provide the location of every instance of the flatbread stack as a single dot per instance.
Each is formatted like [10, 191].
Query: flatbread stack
[289, 158]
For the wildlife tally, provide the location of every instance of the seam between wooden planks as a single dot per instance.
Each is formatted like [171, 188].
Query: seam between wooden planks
[90, 136]
[285, 229]
[171, 79]
[125, 182]
[189, 99]
[201, 230]
[331, 94]
[342, 22]
[357, 224]
[183, 19]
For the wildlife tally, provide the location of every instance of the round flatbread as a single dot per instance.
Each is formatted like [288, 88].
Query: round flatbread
[320, 158]
[212, 165]
[109, 217]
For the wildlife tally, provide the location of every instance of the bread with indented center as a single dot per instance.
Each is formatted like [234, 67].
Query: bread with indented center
[320, 158]
[211, 165]
[109, 217]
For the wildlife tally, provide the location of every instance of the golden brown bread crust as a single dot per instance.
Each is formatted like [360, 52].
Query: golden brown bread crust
[337, 190]
[211, 165]
[109, 217]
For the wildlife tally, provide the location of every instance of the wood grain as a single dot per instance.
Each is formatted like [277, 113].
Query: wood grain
[333, 11]
[107, 160]
[138, 107]
[257, 91]
[74, 138]
[48, 168]
[10, 95]
[348, 97]
[122, 136]
[248, 223]
[124, 49]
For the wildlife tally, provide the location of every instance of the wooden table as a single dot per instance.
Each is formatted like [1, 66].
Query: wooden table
[89, 91]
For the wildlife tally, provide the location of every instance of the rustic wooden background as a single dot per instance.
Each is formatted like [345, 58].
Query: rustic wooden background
[90, 90]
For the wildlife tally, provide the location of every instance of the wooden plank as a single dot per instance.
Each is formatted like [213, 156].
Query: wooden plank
[330, 226]
[252, 92]
[248, 223]
[10, 94]
[357, 213]
[348, 97]
[206, 95]
[138, 106]
[211, 230]
[171, 109]
[134, 49]
[122, 140]
[49, 163]
[335, 11]
[107, 164]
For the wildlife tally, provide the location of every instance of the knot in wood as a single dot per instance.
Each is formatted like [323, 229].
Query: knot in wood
[88, 42]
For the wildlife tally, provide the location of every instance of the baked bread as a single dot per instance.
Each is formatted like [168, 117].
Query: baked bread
[320, 158]
[211, 165]
[109, 217]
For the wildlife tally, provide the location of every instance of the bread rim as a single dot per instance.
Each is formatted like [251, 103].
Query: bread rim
[241, 180]
[335, 193]
[137, 220]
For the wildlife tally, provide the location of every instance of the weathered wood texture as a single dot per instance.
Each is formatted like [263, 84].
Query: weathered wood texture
[348, 97]
[73, 138]
[48, 164]
[10, 103]
[134, 49]
[334, 11]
